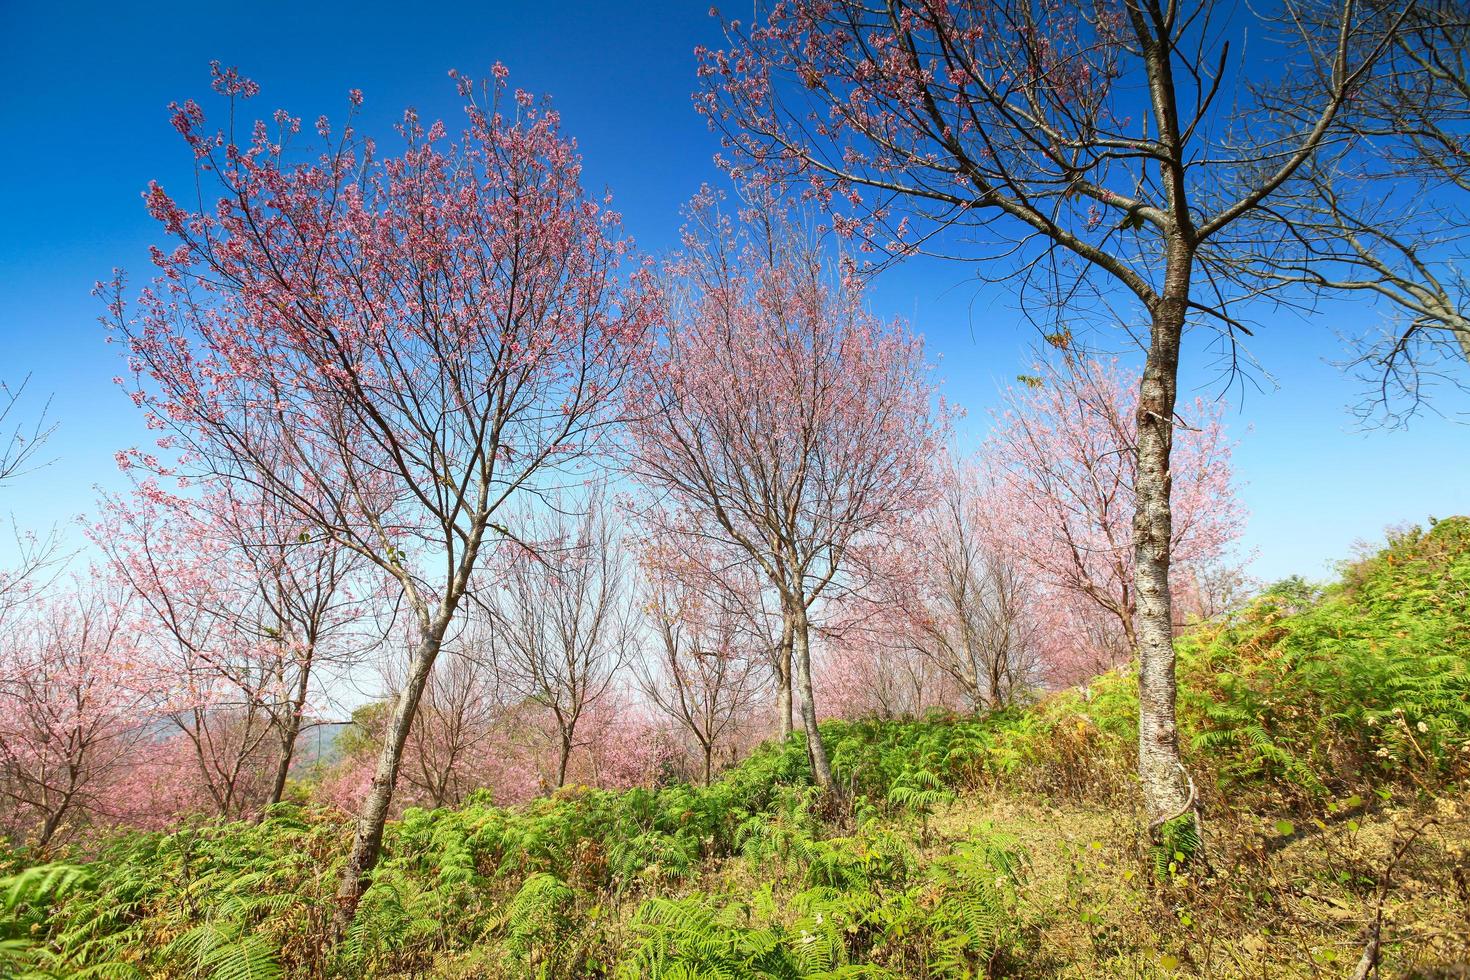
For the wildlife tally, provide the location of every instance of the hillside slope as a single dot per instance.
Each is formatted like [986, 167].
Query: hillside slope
[1328, 732]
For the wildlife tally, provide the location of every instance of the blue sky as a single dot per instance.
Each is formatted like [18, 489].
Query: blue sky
[84, 89]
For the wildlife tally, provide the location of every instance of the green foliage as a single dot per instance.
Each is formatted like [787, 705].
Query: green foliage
[538, 922]
[1177, 844]
[861, 917]
[1366, 681]
[359, 736]
[1305, 694]
[27, 899]
[920, 791]
[229, 902]
[223, 949]
[974, 916]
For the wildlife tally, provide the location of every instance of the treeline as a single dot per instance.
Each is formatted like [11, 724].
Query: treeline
[180, 679]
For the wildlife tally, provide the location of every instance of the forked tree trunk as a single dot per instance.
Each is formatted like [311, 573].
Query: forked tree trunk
[1165, 784]
[52, 825]
[368, 840]
[801, 663]
[290, 732]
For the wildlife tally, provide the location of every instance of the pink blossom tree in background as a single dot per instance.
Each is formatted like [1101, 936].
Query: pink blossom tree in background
[243, 606]
[777, 417]
[697, 671]
[311, 594]
[76, 706]
[394, 346]
[1062, 458]
[190, 598]
[719, 579]
[506, 755]
[626, 745]
[877, 669]
[956, 596]
[467, 736]
[1213, 590]
[987, 613]
[563, 624]
[455, 734]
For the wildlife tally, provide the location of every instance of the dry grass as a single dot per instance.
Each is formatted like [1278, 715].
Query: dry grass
[1274, 902]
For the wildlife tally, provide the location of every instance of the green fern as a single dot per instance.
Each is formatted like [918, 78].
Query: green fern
[1177, 845]
[225, 950]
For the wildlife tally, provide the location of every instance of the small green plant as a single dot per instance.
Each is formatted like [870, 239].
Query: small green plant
[538, 924]
[920, 791]
[1177, 844]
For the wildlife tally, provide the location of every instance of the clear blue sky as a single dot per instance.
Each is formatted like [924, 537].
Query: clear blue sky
[84, 89]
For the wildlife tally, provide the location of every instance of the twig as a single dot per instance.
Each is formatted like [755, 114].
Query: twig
[1373, 945]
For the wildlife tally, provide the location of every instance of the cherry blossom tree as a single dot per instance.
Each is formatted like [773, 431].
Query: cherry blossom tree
[394, 346]
[1063, 458]
[625, 745]
[723, 583]
[778, 418]
[191, 605]
[563, 623]
[76, 700]
[697, 673]
[310, 595]
[462, 737]
[456, 727]
[969, 603]
[245, 606]
[476, 734]
[1214, 590]
[880, 671]
[1104, 153]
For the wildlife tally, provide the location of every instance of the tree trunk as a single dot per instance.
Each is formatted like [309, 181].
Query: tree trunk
[290, 732]
[563, 757]
[802, 669]
[1161, 771]
[709, 751]
[51, 825]
[994, 682]
[784, 706]
[783, 679]
[368, 840]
